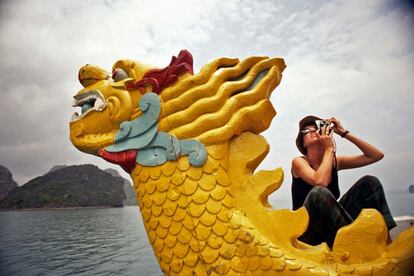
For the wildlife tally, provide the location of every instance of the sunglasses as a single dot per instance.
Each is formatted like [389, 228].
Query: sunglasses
[308, 130]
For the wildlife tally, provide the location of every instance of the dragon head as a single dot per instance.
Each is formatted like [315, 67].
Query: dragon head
[107, 99]
[170, 112]
[104, 105]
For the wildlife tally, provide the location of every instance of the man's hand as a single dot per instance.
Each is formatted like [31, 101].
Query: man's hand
[326, 138]
[337, 128]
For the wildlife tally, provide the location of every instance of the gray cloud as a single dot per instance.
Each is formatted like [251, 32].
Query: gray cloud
[350, 59]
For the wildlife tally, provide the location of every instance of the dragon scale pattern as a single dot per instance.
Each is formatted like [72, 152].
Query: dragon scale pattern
[195, 226]
[214, 218]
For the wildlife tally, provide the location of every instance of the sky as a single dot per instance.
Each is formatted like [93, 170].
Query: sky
[353, 60]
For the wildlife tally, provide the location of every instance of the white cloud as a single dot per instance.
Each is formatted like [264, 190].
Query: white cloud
[350, 59]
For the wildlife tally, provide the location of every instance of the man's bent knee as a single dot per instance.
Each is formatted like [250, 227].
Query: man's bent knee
[372, 181]
[318, 194]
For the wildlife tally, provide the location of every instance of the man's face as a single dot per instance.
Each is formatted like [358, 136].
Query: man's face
[309, 134]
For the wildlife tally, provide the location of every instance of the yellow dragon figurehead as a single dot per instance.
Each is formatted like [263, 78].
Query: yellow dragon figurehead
[105, 103]
[191, 144]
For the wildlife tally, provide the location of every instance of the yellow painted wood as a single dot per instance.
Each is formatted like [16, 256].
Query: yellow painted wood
[216, 219]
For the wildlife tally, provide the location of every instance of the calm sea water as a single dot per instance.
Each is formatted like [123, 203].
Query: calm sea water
[75, 242]
[401, 204]
[93, 241]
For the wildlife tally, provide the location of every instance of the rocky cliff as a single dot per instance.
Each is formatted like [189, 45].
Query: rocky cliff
[7, 183]
[129, 191]
[71, 186]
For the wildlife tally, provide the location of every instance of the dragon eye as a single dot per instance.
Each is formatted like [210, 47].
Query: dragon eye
[119, 74]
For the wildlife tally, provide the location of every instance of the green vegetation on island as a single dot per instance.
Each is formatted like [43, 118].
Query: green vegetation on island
[71, 187]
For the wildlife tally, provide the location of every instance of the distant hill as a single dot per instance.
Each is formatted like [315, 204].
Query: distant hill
[129, 191]
[68, 186]
[7, 184]
[57, 167]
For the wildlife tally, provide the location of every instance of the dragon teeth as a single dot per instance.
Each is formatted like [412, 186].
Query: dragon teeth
[99, 104]
[94, 97]
[75, 103]
[75, 116]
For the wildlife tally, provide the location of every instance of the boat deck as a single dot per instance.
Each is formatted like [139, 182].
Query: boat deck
[403, 222]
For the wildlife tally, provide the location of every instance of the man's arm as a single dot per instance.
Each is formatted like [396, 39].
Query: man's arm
[320, 177]
[370, 154]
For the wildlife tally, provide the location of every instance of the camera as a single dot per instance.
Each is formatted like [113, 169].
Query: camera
[323, 123]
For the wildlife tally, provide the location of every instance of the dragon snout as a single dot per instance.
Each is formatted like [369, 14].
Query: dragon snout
[91, 74]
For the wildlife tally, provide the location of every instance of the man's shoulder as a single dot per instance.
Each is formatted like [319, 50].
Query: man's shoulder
[298, 162]
[299, 158]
